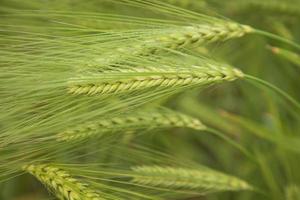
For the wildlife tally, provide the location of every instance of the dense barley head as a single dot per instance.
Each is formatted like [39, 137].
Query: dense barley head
[61, 183]
[182, 178]
[108, 83]
[173, 38]
[188, 36]
[201, 34]
[152, 119]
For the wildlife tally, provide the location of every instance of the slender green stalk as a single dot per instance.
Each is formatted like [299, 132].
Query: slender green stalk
[286, 54]
[277, 38]
[275, 89]
[232, 142]
[276, 7]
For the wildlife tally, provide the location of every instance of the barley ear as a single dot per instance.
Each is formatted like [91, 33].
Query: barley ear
[152, 119]
[61, 184]
[182, 178]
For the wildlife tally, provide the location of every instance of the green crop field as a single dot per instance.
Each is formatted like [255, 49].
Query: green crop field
[150, 99]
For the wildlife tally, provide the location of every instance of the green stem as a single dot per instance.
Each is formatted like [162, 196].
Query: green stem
[240, 148]
[274, 88]
[278, 38]
[232, 142]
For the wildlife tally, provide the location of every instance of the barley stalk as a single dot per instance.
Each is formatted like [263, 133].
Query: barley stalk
[131, 122]
[181, 178]
[61, 183]
[289, 55]
[283, 7]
